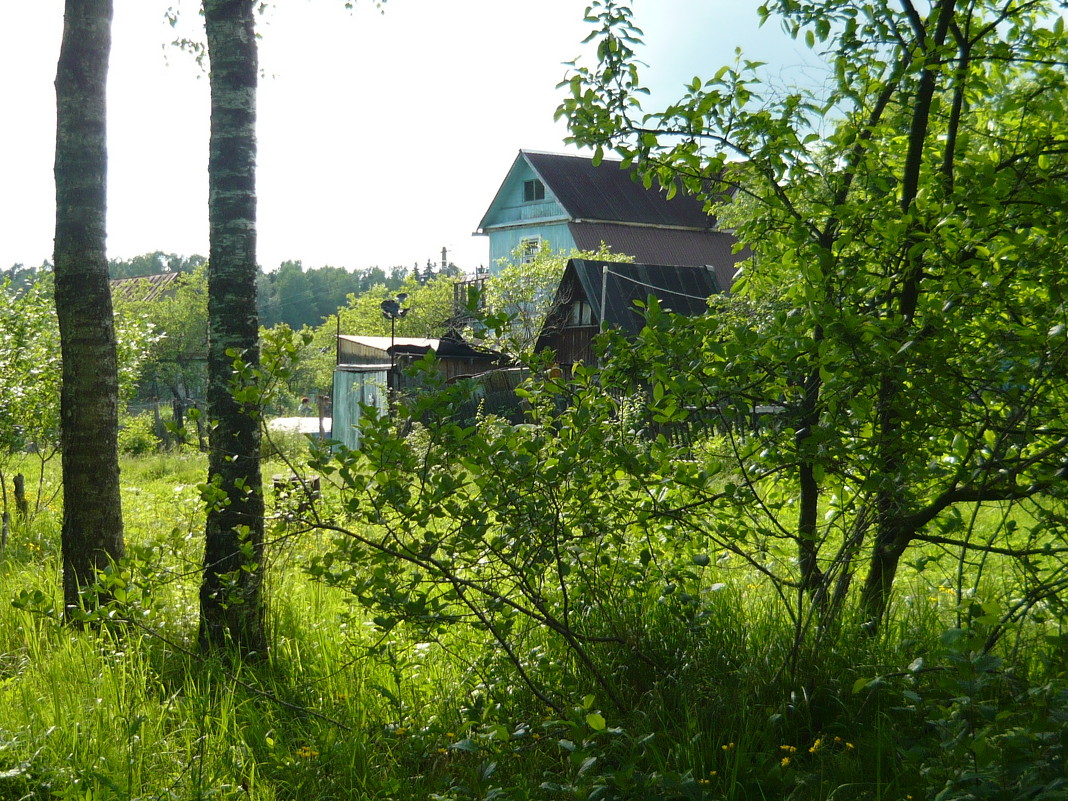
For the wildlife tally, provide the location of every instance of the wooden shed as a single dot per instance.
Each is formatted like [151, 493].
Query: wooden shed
[369, 368]
[595, 293]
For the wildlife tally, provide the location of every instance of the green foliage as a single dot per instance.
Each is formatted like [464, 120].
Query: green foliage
[154, 263]
[302, 297]
[137, 435]
[990, 734]
[430, 309]
[29, 368]
[174, 363]
[524, 290]
[290, 447]
[494, 530]
[342, 710]
[904, 309]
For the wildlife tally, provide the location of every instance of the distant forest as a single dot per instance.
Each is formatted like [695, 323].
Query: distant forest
[291, 294]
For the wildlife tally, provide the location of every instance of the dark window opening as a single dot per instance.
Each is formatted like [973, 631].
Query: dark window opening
[533, 190]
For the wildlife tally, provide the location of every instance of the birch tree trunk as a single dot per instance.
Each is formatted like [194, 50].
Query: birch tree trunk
[231, 604]
[92, 512]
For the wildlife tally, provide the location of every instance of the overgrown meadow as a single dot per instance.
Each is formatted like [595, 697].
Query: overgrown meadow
[533, 631]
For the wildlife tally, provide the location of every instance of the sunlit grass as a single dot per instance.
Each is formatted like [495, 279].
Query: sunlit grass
[727, 702]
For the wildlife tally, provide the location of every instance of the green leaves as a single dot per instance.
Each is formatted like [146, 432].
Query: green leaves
[906, 294]
[502, 527]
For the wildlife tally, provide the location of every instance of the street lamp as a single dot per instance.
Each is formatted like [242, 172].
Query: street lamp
[392, 311]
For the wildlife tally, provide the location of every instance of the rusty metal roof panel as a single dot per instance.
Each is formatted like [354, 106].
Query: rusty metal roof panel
[665, 246]
[145, 287]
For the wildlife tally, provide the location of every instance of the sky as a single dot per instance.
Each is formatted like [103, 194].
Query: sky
[383, 137]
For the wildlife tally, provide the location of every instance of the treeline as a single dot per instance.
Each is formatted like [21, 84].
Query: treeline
[292, 294]
[299, 297]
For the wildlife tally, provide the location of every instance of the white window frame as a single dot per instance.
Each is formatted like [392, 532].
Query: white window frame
[528, 248]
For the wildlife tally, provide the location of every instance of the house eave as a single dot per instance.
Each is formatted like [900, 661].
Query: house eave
[657, 226]
[511, 226]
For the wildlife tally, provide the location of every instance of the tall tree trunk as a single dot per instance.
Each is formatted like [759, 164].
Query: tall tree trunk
[231, 604]
[92, 511]
[892, 409]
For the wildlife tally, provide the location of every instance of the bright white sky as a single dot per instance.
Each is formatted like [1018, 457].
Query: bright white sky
[382, 137]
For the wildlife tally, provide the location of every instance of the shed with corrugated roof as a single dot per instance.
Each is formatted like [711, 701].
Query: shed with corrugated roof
[594, 295]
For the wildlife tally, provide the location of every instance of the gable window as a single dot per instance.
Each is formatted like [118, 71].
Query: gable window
[528, 248]
[580, 313]
[533, 190]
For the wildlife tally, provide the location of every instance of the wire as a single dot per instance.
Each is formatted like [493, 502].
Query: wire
[655, 287]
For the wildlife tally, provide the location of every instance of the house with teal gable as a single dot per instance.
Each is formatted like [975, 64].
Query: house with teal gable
[569, 203]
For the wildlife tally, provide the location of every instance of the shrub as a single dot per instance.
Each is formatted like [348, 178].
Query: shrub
[137, 436]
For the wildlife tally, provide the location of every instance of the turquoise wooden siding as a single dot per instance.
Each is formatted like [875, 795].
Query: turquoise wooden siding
[352, 390]
[513, 219]
[504, 242]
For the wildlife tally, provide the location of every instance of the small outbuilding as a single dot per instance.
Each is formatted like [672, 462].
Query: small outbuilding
[599, 294]
[369, 368]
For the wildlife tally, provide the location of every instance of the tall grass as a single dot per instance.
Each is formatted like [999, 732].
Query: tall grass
[726, 704]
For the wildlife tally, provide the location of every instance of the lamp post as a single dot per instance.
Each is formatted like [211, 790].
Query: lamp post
[392, 311]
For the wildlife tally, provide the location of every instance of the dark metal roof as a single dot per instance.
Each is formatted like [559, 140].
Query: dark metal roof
[608, 193]
[665, 246]
[682, 289]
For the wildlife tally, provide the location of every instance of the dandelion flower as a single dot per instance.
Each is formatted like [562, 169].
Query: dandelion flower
[785, 762]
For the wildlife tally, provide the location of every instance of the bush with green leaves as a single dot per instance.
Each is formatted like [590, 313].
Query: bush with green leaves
[137, 435]
[29, 368]
[550, 525]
